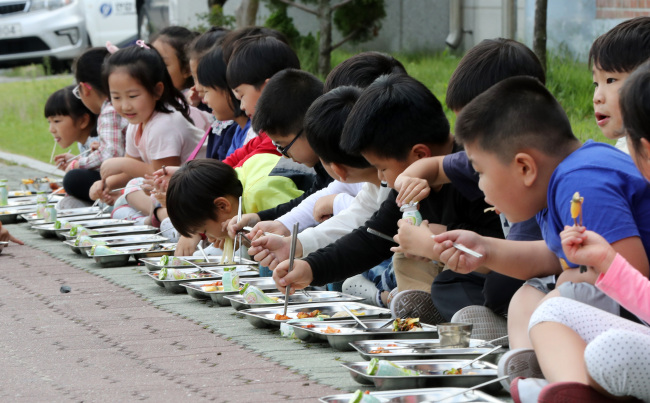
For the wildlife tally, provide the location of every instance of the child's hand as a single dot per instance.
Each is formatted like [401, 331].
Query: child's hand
[6, 236]
[411, 189]
[300, 277]
[187, 246]
[94, 145]
[415, 241]
[148, 185]
[96, 190]
[247, 220]
[270, 250]
[162, 177]
[455, 259]
[324, 208]
[273, 227]
[193, 96]
[587, 248]
[61, 160]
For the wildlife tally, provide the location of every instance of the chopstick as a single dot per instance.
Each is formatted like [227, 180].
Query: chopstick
[239, 235]
[292, 255]
[125, 187]
[465, 249]
[249, 229]
[380, 234]
[53, 150]
[480, 385]
[77, 156]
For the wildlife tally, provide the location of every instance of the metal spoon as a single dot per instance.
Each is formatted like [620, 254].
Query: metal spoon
[292, 255]
[345, 308]
[480, 385]
[203, 252]
[479, 357]
[490, 341]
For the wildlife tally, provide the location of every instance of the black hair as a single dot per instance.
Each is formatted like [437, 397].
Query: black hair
[622, 48]
[634, 101]
[192, 190]
[88, 68]
[178, 38]
[487, 63]
[516, 113]
[362, 69]
[145, 64]
[230, 40]
[392, 115]
[63, 103]
[284, 102]
[211, 72]
[324, 123]
[206, 41]
[257, 58]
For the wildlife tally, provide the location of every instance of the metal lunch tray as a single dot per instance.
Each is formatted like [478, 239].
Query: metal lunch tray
[478, 372]
[9, 215]
[238, 302]
[120, 240]
[175, 286]
[68, 213]
[263, 283]
[154, 264]
[350, 332]
[142, 251]
[39, 221]
[419, 396]
[2, 245]
[118, 230]
[31, 200]
[265, 317]
[47, 230]
[421, 349]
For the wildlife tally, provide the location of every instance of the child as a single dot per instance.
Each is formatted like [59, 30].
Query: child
[362, 69]
[614, 55]
[203, 194]
[160, 130]
[171, 43]
[583, 350]
[195, 50]
[395, 103]
[530, 164]
[71, 122]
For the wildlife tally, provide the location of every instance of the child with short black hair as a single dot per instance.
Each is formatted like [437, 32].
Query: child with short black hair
[362, 69]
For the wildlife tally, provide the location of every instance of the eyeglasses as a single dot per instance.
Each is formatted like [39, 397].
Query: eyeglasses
[76, 90]
[285, 150]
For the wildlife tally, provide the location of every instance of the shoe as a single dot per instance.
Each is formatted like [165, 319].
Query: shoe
[521, 362]
[572, 392]
[71, 202]
[416, 304]
[526, 390]
[487, 324]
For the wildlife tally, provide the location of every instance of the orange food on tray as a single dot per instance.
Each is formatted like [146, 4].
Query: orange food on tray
[281, 317]
[309, 326]
[303, 315]
[379, 350]
[331, 330]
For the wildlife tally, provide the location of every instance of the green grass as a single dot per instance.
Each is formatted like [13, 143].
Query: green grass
[23, 129]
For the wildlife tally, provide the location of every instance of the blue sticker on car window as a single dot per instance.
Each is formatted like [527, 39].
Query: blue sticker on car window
[106, 9]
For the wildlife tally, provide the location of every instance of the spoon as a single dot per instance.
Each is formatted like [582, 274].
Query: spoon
[480, 385]
[292, 255]
[345, 308]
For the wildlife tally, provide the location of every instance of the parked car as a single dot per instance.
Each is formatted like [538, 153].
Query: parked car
[61, 30]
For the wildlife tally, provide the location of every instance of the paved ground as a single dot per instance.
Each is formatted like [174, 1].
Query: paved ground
[119, 337]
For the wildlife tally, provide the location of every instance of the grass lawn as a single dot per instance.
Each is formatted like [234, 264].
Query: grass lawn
[23, 129]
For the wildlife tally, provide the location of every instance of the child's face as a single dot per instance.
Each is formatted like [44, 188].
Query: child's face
[64, 129]
[296, 147]
[501, 184]
[200, 90]
[130, 99]
[176, 71]
[248, 96]
[388, 168]
[226, 209]
[218, 100]
[606, 108]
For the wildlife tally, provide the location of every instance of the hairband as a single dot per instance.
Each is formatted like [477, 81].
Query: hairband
[111, 48]
[141, 43]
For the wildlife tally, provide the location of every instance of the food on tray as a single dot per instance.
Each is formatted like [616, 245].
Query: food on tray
[343, 314]
[254, 295]
[363, 397]
[281, 317]
[78, 230]
[212, 287]
[173, 261]
[101, 250]
[312, 314]
[379, 367]
[19, 193]
[576, 208]
[308, 326]
[62, 224]
[380, 350]
[230, 279]
[27, 181]
[407, 325]
[228, 251]
[85, 240]
[331, 330]
[175, 274]
[453, 371]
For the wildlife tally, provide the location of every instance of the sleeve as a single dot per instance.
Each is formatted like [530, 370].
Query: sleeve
[525, 231]
[344, 199]
[627, 286]
[131, 148]
[110, 130]
[462, 175]
[257, 145]
[357, 251]
[166, 132]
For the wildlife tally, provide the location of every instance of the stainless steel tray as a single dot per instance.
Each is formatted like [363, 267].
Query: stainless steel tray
[263, 283]
[47, 230]
[420, 349]
[238, 302]
[67, 213]
[111, 260]
[154, 264]
[31, 200]
[265, 317]
[2, 245]
[40, 221]
[10, 215]
[175, 286]
[20, 193]
[135, 251]
[120, 240]
[118, 230]
[478, 372]
[350, 332]
[418, 396]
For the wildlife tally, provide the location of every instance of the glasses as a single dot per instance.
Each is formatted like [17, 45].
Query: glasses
[76, 90]
[285, 150]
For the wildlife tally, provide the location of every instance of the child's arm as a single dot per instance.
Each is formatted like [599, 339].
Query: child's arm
[415, 182]
[6, 236]
[518, 259]
[131, 166]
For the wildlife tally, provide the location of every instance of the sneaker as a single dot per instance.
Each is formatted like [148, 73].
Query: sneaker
[487, 324]
[71, 202]
[521, 362]
[572, 392]
[416, 304]
[526, 390]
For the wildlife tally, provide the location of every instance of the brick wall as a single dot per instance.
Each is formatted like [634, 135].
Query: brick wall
[607, 9]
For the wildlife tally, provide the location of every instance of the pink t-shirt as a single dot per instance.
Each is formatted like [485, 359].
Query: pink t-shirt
[627, 286]
[165, 135]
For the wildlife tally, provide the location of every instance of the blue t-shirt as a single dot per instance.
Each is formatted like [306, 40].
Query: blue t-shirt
[464, 178]
[616, 197]
[239, 137]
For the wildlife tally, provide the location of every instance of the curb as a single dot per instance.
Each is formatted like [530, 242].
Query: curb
[31, 163]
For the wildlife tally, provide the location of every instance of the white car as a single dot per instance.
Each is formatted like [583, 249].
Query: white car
[31, 30]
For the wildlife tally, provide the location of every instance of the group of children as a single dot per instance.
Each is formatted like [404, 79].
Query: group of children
[190, 126]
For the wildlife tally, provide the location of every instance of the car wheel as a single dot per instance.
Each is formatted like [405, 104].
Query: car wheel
[60, 66]
[144, 26]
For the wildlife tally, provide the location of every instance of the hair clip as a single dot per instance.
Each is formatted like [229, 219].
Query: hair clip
[111, 48]
[141, 43]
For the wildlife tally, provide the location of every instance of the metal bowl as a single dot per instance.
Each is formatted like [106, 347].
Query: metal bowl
[454, 334]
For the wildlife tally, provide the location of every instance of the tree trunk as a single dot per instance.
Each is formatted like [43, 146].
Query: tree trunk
[246, 13]
[539, 40]
[325, 43]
